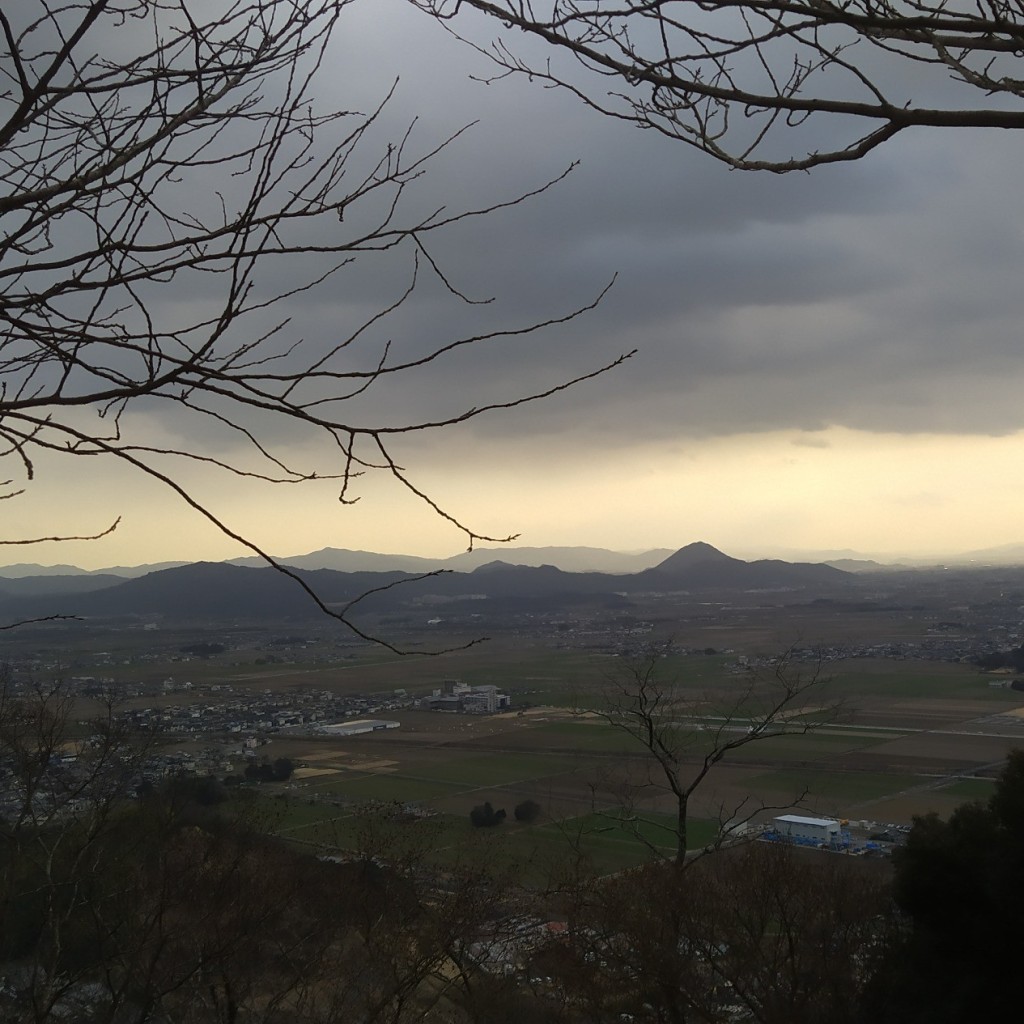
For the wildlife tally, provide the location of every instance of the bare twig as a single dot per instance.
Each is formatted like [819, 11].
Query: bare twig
[725, 77]
[197, 159]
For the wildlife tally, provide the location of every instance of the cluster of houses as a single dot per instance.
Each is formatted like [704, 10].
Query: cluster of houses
[252, 712]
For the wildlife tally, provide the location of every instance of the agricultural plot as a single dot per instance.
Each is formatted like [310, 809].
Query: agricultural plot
[822, 745]
[604, 844]
[649, 830]
[284, 814]
[841, 790]
[401, 788]
[538, 853]
[534, 853]
[535, 675]
[566, 762]
[905, 727]
[863, 677]
[584, 736]
[477, 771]
[442, 776]
[955, 750]
[969, 789]
[364, 830]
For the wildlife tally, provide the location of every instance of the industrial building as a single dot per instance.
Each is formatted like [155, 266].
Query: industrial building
[357, 727]
[803, 830]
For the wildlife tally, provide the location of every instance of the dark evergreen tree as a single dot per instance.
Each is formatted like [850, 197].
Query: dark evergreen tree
[484, 815]
[958, 883]
[528, 810]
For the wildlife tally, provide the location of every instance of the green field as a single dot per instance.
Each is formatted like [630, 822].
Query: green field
[851, 786]
[649, 830]
[604, 840]
[476, 771]
[359, 786]
[570, 763]
[868, 678]
[532, 852]
[586, 736]
[808, 746]
[970, 789]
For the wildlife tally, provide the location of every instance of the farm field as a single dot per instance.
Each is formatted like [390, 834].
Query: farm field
[908, 737]
[534, 852]
[895, 752]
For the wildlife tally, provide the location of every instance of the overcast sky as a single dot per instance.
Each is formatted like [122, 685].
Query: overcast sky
[825, 361]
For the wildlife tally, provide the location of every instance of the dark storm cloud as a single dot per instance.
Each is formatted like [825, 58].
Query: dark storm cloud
[882, 295]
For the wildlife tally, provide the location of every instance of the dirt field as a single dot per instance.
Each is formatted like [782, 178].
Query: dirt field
[571, 764]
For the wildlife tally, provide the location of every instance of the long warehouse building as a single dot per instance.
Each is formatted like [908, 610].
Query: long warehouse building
[822, 830]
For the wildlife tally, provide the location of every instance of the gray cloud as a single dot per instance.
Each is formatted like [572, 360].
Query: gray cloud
[881, 295]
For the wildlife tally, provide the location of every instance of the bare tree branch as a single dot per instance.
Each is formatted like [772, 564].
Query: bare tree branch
[64, 537]
[156, 151]
[685, 735]
[725, 77]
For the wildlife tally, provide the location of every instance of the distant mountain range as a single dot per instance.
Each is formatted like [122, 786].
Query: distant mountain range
[569, 559]
[577, 559]
[224, 590]
[478, 583]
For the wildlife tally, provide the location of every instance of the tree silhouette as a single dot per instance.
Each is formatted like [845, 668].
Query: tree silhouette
[485, 816]
[172, 180]
[957, 883]
[682, 745]
[527, 811]
[727, 77]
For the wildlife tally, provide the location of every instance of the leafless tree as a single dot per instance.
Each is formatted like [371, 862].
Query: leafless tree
[123, 910]
[170, 180]
[684, 735]
[61, 784]
[723, 76]
[797, 934]
[759, 933]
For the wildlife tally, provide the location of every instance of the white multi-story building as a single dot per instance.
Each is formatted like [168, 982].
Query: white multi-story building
[455, 696]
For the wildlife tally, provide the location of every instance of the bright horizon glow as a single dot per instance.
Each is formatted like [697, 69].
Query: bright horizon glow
[751, 495]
